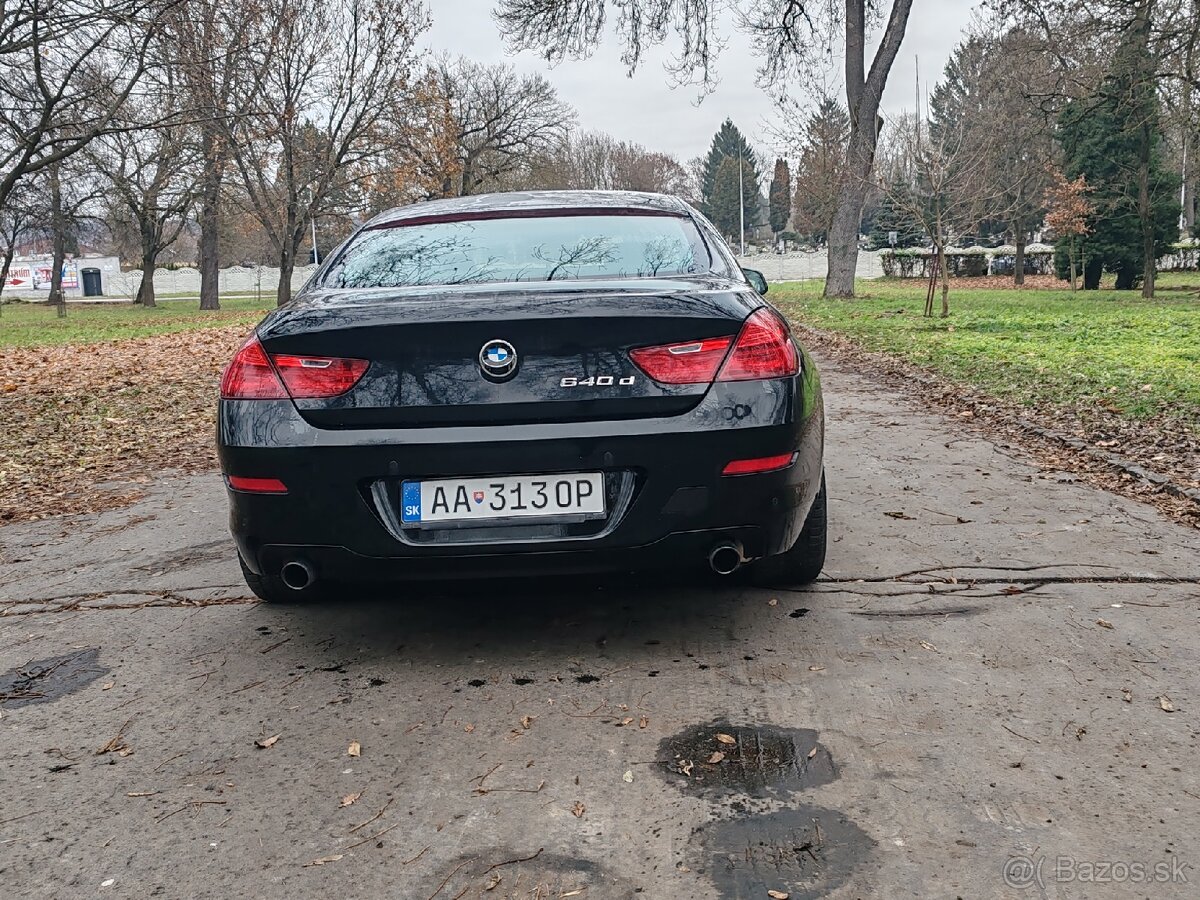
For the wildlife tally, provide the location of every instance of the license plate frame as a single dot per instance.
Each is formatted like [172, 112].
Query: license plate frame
[506, 499]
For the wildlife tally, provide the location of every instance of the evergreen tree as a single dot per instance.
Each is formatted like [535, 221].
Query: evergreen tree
[894, 214]
[729, 143]
[724, 209]
[780, 197]
[1114, 140]
[819, 176]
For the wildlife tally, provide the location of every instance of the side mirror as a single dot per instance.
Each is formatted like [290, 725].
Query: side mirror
[757, 280]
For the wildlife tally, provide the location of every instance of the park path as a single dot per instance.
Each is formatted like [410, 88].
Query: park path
[1000, 663]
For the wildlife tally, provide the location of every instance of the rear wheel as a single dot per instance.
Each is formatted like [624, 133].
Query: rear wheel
[803, 563]
[272, 588]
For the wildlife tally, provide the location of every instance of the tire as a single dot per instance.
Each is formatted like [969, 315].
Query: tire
[271, 589]
[803, 563]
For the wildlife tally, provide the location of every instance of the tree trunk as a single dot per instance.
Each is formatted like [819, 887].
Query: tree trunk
[210, 202]
[287, 262]
[1019, 270]
[145, 294]
[1146, 213]
[864, 91]
[942, 267]
[58, 229]
[1073, 275]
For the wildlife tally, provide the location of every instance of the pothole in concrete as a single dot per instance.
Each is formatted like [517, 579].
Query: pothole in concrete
[504, 874]
[720, 758]
[804, 852]
[47, 680]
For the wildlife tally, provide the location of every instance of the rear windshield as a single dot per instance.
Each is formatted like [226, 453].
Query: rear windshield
[526, 248]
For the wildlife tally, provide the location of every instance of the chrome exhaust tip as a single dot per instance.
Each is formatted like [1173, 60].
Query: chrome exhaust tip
[297, 574]
[726, 558]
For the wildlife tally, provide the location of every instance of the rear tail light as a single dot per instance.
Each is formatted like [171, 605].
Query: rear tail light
[252, 374]
[760, 465]
[693, 363]
[763, 349]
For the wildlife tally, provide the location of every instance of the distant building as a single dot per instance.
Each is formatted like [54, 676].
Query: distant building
[85, 276]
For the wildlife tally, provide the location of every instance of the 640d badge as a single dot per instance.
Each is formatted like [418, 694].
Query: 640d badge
[598, 381]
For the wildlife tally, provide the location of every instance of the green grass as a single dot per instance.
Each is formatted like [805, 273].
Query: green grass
[1138, 358]
[36, 325]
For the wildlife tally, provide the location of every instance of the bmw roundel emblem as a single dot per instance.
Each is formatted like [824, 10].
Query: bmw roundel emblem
[498, 359]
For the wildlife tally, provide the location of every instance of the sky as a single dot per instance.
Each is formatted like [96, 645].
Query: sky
[644, 109]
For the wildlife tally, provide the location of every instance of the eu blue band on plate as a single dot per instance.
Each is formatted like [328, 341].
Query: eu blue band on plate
[410, 502]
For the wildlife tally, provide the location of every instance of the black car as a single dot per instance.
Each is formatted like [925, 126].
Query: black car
[524, 383]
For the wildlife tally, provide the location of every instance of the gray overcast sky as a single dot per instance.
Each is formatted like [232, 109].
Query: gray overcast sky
[644, 109]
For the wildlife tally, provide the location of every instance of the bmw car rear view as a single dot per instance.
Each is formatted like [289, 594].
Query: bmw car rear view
[524, 383]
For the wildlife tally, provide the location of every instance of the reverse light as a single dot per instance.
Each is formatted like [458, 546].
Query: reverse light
[760, 465]
[256, 485]
[317, 377]
[252, 374]
[695, 362]
[764, 349]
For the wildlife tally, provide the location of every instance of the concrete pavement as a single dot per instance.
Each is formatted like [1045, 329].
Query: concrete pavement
[991, 694]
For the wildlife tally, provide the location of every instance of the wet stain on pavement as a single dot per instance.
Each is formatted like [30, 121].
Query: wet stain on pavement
[587, 679]
[720, 758]
[47, 680]
[476, 682]
[503, 874]
[522, 681]
[799, 613]
[804, 852]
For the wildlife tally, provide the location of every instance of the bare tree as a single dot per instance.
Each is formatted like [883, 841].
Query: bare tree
[323, 114]
[594, 160]
[939, 180]
[18, 216]
[219, 58]
[154, 173]
[60, 63]
[793, 34]
[502, 120]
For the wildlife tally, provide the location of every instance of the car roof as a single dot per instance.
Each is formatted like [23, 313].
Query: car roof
[526, 201]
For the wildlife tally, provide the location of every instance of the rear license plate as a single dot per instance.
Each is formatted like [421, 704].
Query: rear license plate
[455, 500]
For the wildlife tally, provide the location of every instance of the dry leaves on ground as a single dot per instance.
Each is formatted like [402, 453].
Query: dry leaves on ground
[86, 425]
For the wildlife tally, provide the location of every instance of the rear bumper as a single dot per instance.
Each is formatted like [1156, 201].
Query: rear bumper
[680, 508]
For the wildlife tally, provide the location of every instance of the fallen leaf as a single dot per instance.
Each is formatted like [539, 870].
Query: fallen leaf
[716, 758]
[1127, 695]
[628, 720]
[643, 721]
[141, 794]
[628, 776]
[324, 859]
[355, 749]
[574, 893]
[350, 799]
[493, 882]
[578, 809]
[928, 646]
[685, 767]
[774, 601]
[1165, 704]
[816, 668]
[108, 686]
[1012, 589]
[812, 752]
[778, 895]
[726, 738]
[468, 728]
[1104, 623]
[527, 722]
[265, 743]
